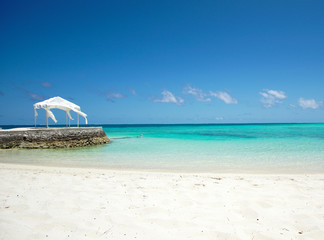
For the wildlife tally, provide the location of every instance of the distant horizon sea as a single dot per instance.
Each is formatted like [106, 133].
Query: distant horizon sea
[243, 148]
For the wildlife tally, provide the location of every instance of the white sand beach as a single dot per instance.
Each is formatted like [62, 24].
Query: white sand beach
[39, 202]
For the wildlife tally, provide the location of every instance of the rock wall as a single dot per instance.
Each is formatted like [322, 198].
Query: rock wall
[53, 137]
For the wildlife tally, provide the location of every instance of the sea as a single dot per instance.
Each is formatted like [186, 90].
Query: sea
[223, 148]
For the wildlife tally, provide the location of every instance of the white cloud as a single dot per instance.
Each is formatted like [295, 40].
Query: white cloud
[132, 91]
[111, 96]
[309, 103]
[206, 97]
[219, 118]
[224, 96]
[271, 97]
[292, 105]
[197, 93]
[277, 94]
[33, 96]
[115, 95]
[168, 97]
[46, 84]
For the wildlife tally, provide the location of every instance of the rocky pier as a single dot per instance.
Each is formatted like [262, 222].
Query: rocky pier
[35, 138]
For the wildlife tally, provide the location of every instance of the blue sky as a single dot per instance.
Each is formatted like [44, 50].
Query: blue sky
[164, 61]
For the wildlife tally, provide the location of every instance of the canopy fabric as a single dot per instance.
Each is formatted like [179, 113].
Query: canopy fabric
[60, 103]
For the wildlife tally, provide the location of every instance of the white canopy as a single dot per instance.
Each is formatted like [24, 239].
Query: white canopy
[60, 103]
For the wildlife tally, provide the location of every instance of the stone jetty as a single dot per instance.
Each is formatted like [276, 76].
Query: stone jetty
[52, 137]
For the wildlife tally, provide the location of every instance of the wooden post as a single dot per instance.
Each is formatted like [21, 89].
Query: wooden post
[46, 119]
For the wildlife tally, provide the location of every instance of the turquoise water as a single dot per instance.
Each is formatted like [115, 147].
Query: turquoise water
[282, 148]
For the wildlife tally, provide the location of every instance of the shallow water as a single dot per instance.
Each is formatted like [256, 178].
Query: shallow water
[272, 148]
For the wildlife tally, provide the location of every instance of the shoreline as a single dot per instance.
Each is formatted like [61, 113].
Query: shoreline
[166, 170]
[79, 203]
[32, 166]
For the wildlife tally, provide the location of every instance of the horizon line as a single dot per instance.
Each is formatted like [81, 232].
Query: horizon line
[229, 123]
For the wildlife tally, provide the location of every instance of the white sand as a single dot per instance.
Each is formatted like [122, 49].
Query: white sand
[66, 203]
[17, 129]
[32, 129]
